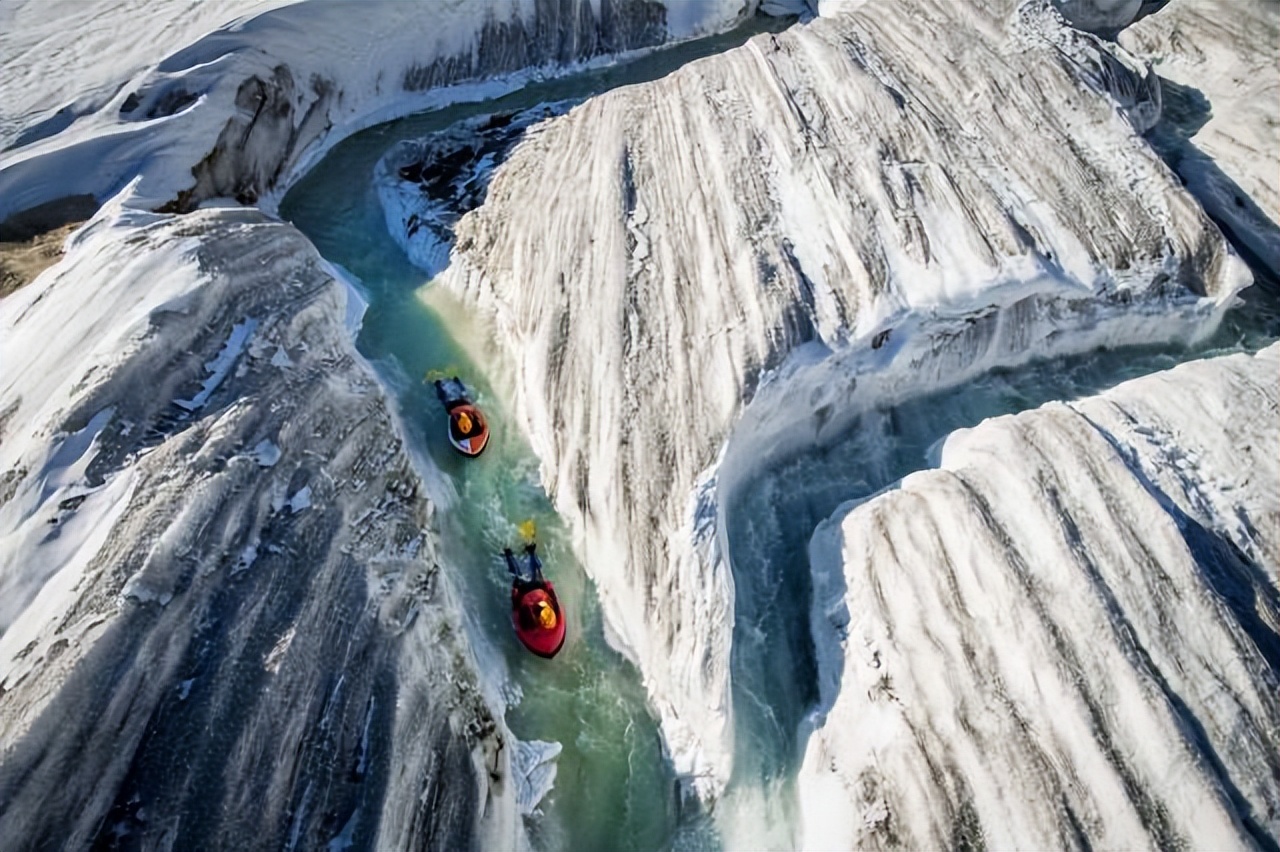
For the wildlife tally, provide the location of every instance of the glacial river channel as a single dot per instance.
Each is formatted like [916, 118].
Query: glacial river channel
[614, 787]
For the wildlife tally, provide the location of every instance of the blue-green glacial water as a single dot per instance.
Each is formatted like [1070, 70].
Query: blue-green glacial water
[614, 787]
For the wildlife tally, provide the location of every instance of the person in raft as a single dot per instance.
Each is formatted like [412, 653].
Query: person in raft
[451, 393]
[467, 430]
[530, 587]
[462, 424]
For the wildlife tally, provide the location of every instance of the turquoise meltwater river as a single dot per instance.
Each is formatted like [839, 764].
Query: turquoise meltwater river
[614, 788]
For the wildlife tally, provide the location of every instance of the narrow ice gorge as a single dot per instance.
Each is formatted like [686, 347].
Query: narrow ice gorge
[1079, 612]
[818, 222]
[247, 579]
[212, 534]
[227, 613]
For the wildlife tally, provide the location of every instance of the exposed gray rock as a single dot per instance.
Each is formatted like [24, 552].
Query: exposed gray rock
[260, 139]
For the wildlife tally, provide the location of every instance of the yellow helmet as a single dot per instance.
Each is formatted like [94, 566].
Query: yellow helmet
[464, 423]
[546, 615]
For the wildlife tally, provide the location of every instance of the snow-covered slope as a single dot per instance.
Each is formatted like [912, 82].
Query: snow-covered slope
[1220, 63]
[918, 191]
[223, 619]
[218, 582]
[248, 106]
[1066, 637]
[63, 59]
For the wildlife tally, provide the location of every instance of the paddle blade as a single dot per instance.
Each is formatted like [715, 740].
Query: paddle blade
[433, 375]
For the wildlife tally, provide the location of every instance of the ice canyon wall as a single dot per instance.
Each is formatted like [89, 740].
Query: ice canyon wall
[917, 191]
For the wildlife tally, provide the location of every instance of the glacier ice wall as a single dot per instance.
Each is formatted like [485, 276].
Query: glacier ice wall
[1219, 65]
[1068, 636]
[861, 184]
[239, 112]
[223, 619]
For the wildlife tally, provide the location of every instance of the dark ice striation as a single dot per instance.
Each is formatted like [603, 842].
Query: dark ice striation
[560, 32]
[278, 114]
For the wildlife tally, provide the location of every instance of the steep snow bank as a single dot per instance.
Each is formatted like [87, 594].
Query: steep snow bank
[63, 60]
[1220, 63]
[1068, 636]
[213, 546]
[244, 109]
[862, 184]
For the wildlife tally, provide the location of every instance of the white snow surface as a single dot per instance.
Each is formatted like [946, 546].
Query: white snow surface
[1221, 67]
[817, 222]
[64, 59]
[141, 546]
[1067, 635]
[248, 94]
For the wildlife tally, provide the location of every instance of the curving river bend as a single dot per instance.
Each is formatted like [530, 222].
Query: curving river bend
[614, 788]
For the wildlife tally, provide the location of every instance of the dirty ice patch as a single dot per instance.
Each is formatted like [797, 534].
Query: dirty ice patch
[356, 302]
[220, 366]
[266, 453]
[534, 768]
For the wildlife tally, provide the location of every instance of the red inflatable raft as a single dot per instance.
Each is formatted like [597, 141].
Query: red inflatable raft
[468, 432]
[536, 615]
